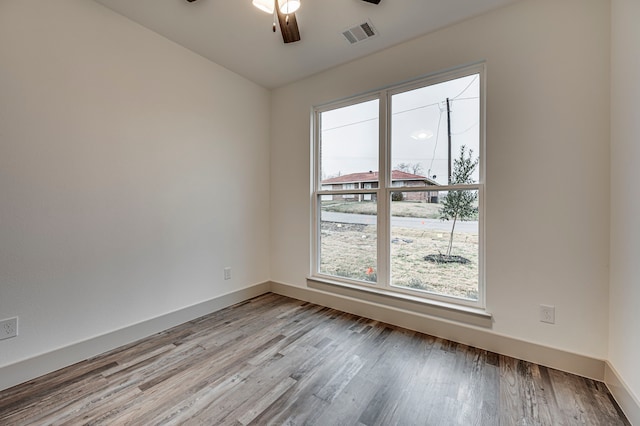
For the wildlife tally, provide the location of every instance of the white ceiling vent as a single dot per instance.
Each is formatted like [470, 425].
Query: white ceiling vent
[360, 33]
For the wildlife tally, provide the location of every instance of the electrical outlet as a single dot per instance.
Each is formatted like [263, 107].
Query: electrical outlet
[227, 273]
[548, 314]
[8, 328]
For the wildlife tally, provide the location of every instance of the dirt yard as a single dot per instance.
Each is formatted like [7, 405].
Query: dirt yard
[349, 250]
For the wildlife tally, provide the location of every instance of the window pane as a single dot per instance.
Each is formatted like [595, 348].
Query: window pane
[349, 146]
[427, 147]
[348, 239]
[421, 121]
[434, 242]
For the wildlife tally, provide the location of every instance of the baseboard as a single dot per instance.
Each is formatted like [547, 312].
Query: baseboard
[629, 403]
[23, 371]
[473, 336]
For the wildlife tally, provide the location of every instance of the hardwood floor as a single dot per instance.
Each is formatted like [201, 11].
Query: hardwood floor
[275, 360]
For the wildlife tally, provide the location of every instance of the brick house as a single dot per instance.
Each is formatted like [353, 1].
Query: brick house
[369, 180]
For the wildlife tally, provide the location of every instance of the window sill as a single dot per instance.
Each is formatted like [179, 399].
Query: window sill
[434, 308]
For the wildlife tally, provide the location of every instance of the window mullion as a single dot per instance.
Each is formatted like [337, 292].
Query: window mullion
[384, 209]
[315, 187]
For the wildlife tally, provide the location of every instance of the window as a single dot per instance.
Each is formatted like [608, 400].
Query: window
[399, 187]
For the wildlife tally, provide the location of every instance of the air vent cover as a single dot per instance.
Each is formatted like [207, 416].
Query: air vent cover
[360, 32]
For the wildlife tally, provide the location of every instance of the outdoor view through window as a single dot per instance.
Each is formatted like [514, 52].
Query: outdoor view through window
[402, 212]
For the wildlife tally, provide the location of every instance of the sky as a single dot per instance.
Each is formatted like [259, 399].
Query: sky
[349, 135]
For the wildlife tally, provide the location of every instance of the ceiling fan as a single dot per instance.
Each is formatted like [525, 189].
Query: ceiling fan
[285, 13]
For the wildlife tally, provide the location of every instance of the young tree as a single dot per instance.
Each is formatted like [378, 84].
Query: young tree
[459, 204]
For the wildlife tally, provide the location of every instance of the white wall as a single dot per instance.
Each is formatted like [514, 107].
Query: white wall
[131, 172]
[624, 338]
[547, 160]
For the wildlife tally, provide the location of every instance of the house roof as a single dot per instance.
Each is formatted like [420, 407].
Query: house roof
[372, 176]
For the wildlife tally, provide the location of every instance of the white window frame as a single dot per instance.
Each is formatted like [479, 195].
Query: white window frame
[384, 190]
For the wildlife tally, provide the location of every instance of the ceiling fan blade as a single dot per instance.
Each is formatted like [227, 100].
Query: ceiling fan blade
[368, 1]
[288, 27]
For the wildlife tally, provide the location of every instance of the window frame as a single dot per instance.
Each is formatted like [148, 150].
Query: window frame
[385, 188]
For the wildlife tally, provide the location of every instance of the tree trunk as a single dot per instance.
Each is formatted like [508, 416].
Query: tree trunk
[451, 235]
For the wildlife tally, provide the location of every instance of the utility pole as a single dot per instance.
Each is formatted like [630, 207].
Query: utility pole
[449, 140]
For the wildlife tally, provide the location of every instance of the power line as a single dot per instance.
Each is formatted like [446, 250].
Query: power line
[350, 124]
[475, 77]
[466, 130]
[375, 118]
[417, 108]
[436, 144]
[457, 98]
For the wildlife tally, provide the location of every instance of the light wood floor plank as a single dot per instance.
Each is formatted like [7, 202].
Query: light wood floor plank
[276, 360]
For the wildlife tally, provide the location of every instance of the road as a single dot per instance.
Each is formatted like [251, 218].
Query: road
[405, 222]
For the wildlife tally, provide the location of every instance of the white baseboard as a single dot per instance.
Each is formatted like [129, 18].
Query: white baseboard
[629, 403]
[28, 369]
[473, 336]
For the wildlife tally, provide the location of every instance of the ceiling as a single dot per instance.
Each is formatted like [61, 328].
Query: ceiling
[238, 36]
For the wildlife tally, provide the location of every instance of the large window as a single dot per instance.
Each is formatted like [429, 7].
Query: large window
[399, 186]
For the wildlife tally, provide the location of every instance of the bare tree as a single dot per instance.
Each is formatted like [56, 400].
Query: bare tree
[415, 168]
[403, 167]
